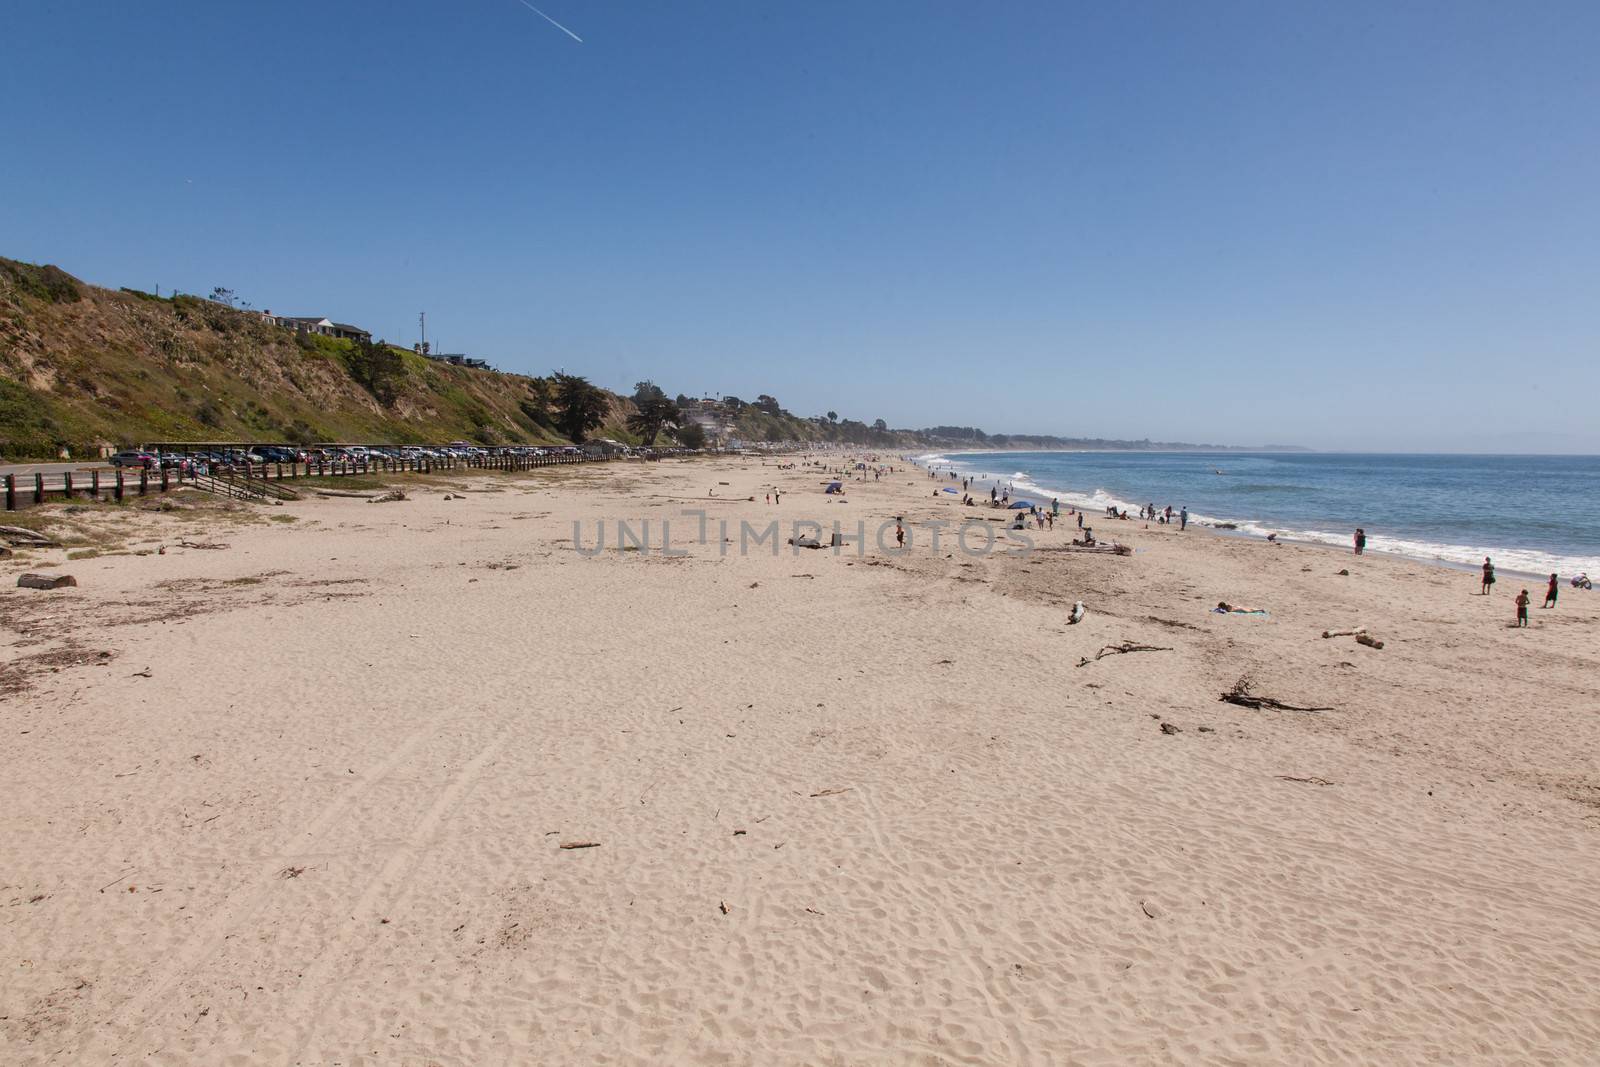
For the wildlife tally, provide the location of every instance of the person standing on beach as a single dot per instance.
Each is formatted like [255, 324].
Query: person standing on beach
[1522, 608]
[899, 534]
[1361, 540]
[1488, 574]
[1183, 519]
[1550, 593]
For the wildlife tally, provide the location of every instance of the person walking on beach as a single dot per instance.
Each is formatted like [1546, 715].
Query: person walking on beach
[1361, 540]
[1183, 520]
[1550, 593]
[1488, 574]
[1522, 608]
[899, 534]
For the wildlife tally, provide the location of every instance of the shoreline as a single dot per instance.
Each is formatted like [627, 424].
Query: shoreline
[1565, 566]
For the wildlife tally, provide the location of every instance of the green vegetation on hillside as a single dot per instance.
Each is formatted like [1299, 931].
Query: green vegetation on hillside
[83, 367]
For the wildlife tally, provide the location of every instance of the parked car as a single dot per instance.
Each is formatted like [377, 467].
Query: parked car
[135, 459]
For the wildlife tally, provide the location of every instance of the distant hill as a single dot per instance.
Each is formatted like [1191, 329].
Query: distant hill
[972, 438]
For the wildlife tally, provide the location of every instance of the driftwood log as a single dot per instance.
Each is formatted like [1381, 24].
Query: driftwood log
[45, 581]
[1240, 694]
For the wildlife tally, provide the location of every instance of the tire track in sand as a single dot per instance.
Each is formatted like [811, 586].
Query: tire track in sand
[134, 1018]
[368, 909]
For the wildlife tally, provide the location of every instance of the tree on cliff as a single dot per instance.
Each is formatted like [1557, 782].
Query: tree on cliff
[581, 406]
[656, 411]
[378, 369]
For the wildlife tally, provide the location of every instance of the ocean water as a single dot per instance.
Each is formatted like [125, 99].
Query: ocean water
[1533, 514]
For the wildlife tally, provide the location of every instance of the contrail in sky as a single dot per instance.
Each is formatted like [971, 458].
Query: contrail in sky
[551, 21]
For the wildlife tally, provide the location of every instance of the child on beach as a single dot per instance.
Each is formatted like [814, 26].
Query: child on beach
[1522, 608]
[1550, 593]
[1488, 574]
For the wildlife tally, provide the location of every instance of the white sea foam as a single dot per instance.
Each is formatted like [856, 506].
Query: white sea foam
[1526, 561]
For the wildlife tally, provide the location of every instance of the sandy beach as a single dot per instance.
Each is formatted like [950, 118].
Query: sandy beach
[422, 783]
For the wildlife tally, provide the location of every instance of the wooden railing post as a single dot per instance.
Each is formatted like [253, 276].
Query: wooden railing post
[166, 479]
[38, 488]
[94, 485]
[116, 490]
[66, 482]
[144, 481]
[11, 492]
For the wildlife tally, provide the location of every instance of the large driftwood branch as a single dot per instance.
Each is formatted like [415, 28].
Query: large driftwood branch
[1240, 694]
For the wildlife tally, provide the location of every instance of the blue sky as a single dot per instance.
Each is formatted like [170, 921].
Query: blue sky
[1365, 226]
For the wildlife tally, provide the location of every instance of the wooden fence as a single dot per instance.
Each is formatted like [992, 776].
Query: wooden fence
[245, 480]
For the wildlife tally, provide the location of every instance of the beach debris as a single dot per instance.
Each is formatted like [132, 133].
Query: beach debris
[722, 905]
[1343, 572]
[1359, 633]
[4, 552]
[804, 541]
[389, 497]
[45, 581]
[1150, 911]
[1078, 612]
[1169, 729]
[119, 878]
[292, 872]
[23, 537]
[211, 545]
[1241, 695]
[341, 492]
[579, 844]
[833, 792]
[1308, 781]
[1121, 650]
[141, 674]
